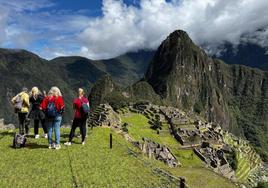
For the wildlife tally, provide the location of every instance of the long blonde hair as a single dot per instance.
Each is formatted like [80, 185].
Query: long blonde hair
[55, 91]
[34, 92]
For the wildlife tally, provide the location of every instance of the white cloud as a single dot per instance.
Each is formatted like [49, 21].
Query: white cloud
[126, 28]
[123, 28]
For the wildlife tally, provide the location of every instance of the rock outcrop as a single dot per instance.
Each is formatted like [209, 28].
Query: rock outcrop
[158, 151]
[104, 115]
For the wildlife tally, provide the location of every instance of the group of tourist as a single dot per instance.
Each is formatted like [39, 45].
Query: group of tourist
[48, 110]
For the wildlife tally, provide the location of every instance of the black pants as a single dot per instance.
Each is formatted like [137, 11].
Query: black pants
[36, 125]
[23, 125]
[81, 123]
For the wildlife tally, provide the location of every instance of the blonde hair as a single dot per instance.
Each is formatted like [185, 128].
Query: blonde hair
[55, 91]
[35, 91]
[81, 91]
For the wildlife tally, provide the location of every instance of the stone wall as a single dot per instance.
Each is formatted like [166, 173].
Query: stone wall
[158, 151]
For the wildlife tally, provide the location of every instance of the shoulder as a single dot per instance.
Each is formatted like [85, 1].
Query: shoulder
[60, 99]
[24, 95]
[85, 99]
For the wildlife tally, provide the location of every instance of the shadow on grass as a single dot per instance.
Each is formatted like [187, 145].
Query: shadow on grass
[6, 133]
[35, 146]
[30, 146]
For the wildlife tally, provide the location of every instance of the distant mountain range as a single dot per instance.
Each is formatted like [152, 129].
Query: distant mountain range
[20, 68]
[248, 54]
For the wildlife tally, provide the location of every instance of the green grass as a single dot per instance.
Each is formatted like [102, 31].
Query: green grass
[139, 127]
[193, 169]
[92, 165]
[96, 165]
[247, 159]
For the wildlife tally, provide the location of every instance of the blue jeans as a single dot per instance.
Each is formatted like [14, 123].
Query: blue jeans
[54, 125]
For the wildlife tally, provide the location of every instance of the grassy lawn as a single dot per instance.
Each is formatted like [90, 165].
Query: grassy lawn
[92, 165]
[96, 165]
[193, 168]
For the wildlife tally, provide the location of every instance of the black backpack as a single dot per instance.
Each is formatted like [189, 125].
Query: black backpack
[19, 140]
[51, 111]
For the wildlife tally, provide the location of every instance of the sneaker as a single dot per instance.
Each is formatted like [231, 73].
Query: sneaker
[57, 147]
[68, 143]
[36, 136]
[50, 146]
[83, 143]
[45, 135]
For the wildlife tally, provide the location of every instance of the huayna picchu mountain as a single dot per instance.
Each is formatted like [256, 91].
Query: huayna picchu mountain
[234, 96]
[182, 75]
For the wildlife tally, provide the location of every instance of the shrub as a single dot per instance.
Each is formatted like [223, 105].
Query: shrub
[198, 107]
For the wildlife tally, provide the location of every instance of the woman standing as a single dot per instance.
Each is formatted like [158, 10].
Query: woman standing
[53, 106]
[22, 104]
[36, 114]
[81, 107]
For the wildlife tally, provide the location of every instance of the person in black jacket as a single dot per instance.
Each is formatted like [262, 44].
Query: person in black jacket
[36, 114]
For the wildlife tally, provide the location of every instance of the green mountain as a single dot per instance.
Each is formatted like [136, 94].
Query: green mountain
[125, 69]
[235, 96]
[182, 75]
[20, 68]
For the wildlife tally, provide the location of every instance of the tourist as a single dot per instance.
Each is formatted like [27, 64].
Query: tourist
[36, 114]
[21, 104]
[81, 107]
[53, 106]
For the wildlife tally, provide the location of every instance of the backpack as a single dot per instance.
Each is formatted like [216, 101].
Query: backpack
[51, 111]
[18, 104]
[84, 108]
[19, 140]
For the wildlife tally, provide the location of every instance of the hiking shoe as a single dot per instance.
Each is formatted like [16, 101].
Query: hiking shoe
[83, 143]
[57, 147]
[45, 135]
[50, 146]
[68, 143]
[36, 136]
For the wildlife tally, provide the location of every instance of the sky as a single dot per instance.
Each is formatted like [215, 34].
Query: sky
[102, 29]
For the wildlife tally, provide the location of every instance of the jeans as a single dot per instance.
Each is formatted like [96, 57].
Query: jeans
[54, 125]
[23, 125]
[81, 123]
[36, 126]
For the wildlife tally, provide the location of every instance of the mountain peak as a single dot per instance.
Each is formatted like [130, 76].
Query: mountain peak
[179, 34]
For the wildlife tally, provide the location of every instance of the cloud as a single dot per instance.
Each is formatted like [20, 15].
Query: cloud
[211, 22]
[39, 27]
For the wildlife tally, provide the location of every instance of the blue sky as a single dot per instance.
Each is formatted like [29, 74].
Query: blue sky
[100, 29]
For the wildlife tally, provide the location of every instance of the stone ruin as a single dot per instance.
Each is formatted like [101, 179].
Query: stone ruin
[215, 159]
[104, 115]
[158, 151]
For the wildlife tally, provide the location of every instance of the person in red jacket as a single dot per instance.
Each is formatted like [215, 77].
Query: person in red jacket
[80, 117]
[53, 106]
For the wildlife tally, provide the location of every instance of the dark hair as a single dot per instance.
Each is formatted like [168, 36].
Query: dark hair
[25, 89]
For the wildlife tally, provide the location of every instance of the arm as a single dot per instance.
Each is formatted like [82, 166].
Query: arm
[43, 104]
[13, 99]
[62, 106]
